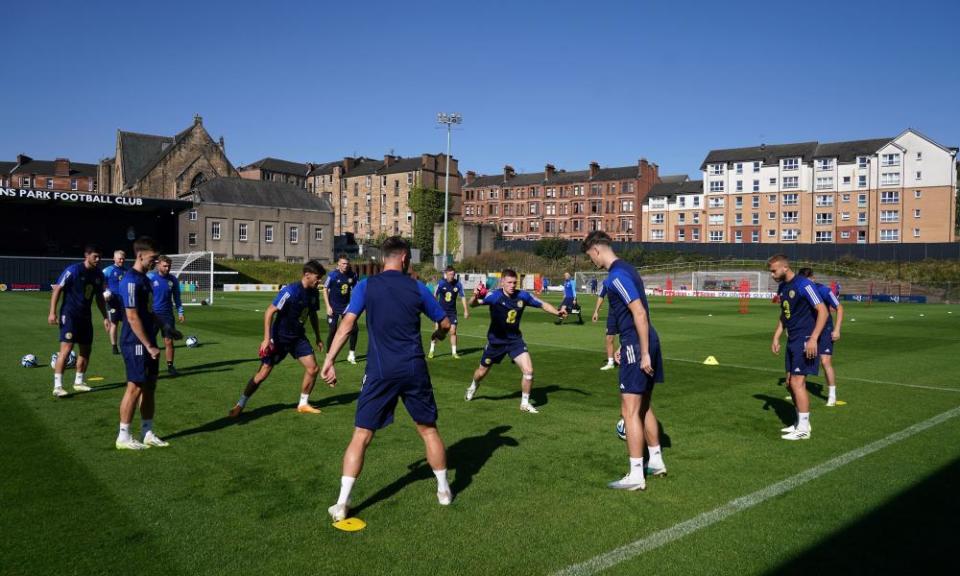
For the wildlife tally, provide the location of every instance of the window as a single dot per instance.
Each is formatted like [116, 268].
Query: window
[716, 202]
[755, 236]
[916, 232]
[738, 219]
[242, 232]
[890, 235]
[845, 235]
[823, 236]
[215, 230]
[919, 175]
[739, 185]
[756, 185]
[25, 181]
[771, 215]
[771, 233]
[74, 185]
[889, 178]
[791, 199]
[716, 169]
[682, 218]
[268, 233]
[861, 200]
[845, 197]
[681, 235]
[192, 215]
[49, 182]
[773, 181]
[890, 159]
[791, 217]
[738, 236]
[657, 218]
[771, 198]
[861, 218]
[790, 164]
[824, 182]
[409, 178]
[716, 235]
[825, 164]
[755, 218]
[356, 189]
[715, 219]
[891, 197]
[861, 181]
[862, 161]
[294, 234]
[845, 216]
[824, 218]
[756, 167]
[791, 182]
[824, 200]
[695, 234]
[755, 202]
[716, 186]
[917, 194]
[889, 216]
[846, 180]
[656, 234]
[790, 234]
[696, 217]
[739, 166]
[627, 205]
[919, 156]
[861, 236]
[916, 212]
[318, 234]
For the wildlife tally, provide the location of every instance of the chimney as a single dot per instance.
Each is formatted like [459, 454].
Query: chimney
[388, 159]
[23, 159]
[61, 167]
[348, 164]
[508, 172]
[471, 176]
[594, 169]
[223, 145]
[548, 171]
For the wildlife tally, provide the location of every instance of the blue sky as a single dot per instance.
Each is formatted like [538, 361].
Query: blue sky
[536, 81]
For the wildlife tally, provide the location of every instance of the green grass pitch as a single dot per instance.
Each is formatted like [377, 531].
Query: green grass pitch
[250, 496]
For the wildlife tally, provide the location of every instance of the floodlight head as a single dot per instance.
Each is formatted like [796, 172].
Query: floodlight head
[441, 117]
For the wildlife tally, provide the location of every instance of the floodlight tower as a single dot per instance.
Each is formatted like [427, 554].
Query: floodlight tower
[449, 120]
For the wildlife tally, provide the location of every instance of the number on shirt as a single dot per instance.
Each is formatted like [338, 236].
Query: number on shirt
[88, 292]
[344, 288]
[448, 296]
[303, 315]
[512, 317]
[786, 309]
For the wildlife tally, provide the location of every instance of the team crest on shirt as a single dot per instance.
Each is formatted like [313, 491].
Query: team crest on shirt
[792, 294]
[487, 361]
[455, 290]
[520, 304]
[169, 283]
[69, 335]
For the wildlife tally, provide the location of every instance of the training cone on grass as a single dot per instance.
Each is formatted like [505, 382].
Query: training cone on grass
[350, 525]
[711, 361]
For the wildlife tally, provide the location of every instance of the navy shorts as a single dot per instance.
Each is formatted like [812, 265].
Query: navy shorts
[279, 350]
[115, 309]
[611, 328]
[76, 330]
[797, 362]
[826, 344]
[164, 318]
[452, 317]
[378, 400]
[494, 353]
[567, 303]
[140, 366]
[633, 380]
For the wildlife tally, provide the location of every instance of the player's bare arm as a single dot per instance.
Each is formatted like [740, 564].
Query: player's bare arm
[328, 372]
[596, 309]
[643, 331]
[548, 307]
[267, 323]
[326, 300]
[836, 327]
[52, 316]
[466, 310]
[777, 334]
[315, 324]
[102, 305]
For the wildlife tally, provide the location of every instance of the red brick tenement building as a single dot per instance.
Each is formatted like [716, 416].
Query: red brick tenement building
[60, 175]
[557, 203]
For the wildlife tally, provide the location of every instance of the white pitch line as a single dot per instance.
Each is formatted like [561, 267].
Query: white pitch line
[697, 523]
[740, 366]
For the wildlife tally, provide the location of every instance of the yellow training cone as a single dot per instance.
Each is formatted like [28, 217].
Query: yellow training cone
[711, 361]
[350, 525]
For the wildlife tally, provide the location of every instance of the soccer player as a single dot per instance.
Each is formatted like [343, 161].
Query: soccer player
[611, 328]
[804, 315]
[79, 284]
[138, 345]
[641, 362]
[336, 295]
[448, 290]
[503, 337]
[295, 303]
[830, 334]
[166, 288]
[111, 296]
[569, 304]
[396, 368]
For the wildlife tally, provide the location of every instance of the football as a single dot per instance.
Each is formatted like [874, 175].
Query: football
[192, 342]
[621, 429]
[29, 361]
[71, 359]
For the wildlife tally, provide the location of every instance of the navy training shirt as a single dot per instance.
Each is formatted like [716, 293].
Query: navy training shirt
[624, 285]
[80, 285]
[165, 289]
[137, 292]
[393, 302]
[830, 299]
[339, 287]
[798, 302]
[447, 293]
[506, 313]
[294, 304]
[113, 274]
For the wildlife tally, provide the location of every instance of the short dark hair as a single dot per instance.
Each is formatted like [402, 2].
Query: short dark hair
[595, 238]
[91, 249]
[778, 258]
[394, 246]
[165, 258]
[144, 244]
[342, 256]
[805, 272]
[509, 273]
[314, 267]
[449, 269]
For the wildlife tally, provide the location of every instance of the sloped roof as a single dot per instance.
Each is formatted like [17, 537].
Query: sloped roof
[559, 178]
[48, 168]
[141, 152]
[7, 167]
[670, 189]
[846, 152]
[674, 178]
[259, 193]
[400, 165]
[769, 154]
[277, 165]
[325, 168]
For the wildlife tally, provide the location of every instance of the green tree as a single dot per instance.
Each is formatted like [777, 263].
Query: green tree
[551, 248]
[427, 206]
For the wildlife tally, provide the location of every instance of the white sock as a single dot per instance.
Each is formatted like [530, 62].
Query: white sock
[654, 451]
[442, 485]
[454, 348]
[346, 485]
[832, 392]
[433, 346]
[78, 379]
[146, 426]
[303, 399]
[473, 384]
[350, 355]
[58, 380]
[524, 398]
[610, 360]
[124, 435]
[804, 421]
[242, 402]
[636, 467]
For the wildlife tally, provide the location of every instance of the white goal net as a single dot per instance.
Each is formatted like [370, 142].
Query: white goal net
[728, 280]
[195, 272]
[589, 282]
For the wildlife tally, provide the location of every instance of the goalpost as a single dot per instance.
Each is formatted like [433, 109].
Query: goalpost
[583, 280]
[195, 272]
[729, 281]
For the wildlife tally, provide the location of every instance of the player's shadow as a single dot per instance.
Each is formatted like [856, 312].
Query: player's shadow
[665, 441]
[537, 395]
[466, 458]
[814, 388]
[252, 415]
[101, 388]
[783, 408]
[213, 366]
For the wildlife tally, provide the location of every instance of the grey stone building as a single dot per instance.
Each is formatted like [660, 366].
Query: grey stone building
[257, 220]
